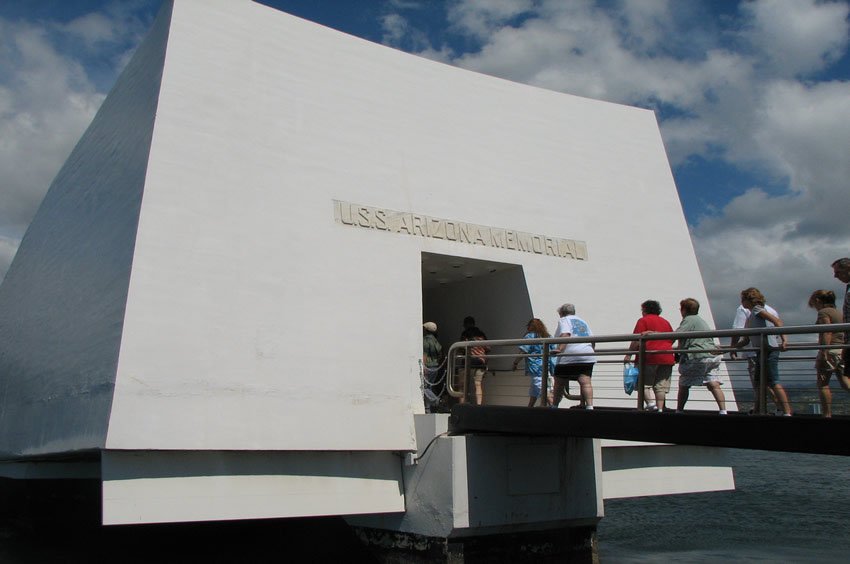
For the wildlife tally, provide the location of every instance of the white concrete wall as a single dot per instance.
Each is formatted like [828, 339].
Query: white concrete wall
[473, 485]
[157, 487]
[642, 469]
[62, 301]
[254, 321]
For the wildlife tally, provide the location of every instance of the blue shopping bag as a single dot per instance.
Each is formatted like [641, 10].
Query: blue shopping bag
[630, 378]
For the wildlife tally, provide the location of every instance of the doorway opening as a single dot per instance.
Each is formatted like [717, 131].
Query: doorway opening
[494, 293]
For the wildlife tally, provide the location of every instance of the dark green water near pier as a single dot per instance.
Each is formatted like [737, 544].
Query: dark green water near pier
[786, 507]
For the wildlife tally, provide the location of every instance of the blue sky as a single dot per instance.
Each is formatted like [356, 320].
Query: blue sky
[753, 99]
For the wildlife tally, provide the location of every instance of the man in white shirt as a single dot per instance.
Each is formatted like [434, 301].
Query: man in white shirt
[742, 314]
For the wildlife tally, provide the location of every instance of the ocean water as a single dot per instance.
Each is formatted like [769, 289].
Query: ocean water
[786, 507]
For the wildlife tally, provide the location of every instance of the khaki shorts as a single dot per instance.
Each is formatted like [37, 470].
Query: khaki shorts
[657, 377]
[478, 375]
[830, 363]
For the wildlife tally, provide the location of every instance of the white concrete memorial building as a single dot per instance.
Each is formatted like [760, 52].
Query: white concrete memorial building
[217, 310]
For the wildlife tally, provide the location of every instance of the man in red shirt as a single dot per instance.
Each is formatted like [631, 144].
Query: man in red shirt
[659, 365]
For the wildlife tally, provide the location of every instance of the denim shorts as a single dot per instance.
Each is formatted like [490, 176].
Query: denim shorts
[771, 368]
[537, 386]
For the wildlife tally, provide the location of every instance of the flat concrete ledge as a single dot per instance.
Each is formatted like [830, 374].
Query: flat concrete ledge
[800, 433]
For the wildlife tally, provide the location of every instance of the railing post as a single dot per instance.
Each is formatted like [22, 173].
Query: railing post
[466, 375]
[762, 391]
[451, 372]
[641, 371]
[544, 385]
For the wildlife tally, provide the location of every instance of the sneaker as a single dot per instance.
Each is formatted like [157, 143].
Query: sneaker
[722, 412]
[652, 408]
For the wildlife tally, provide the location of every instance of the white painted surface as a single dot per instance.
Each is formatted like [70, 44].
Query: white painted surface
[471, 485]
[255, 322]
[157, 487]
[634, 471]
[62, 301]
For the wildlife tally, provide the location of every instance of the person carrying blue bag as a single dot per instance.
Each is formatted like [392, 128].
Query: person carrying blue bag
[630, 378]
[534, 362]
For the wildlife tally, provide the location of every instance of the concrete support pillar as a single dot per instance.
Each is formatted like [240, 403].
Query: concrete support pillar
[490, 498]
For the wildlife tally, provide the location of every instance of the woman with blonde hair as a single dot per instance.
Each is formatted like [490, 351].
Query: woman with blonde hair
[761, 317]
[828, 361]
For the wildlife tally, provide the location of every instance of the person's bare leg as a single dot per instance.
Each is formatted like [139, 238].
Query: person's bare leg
[465, 376]
[479, 391]
[682, 398]
[825, 394]
[776, 401]
[648, 396]
[719, 397]
[531, 401]
[782, 398]
[586, 390]
[558, 391]
[660, 398]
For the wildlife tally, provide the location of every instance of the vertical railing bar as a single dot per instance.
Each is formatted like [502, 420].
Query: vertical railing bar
[762, 380]
[641, 371]
[544, 385]
[466, 375]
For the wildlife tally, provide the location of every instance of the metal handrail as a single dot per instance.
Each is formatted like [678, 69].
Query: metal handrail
[455, 348]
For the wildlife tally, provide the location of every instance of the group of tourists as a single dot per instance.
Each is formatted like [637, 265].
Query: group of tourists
[698, 358]
[434, 362]
[831, 359]
[574, 361]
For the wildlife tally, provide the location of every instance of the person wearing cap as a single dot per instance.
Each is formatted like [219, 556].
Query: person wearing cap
[432, 357]
[432, 351]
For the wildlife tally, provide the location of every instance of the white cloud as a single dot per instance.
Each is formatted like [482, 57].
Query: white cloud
[789, 240]
[730, 90]
[481, 17]
[737, 89]
[91, 28]
[798, 36]
[398, 33]
[47, 99]
[48, 102]
[803, 131]
[395, 28]
[753, 244]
